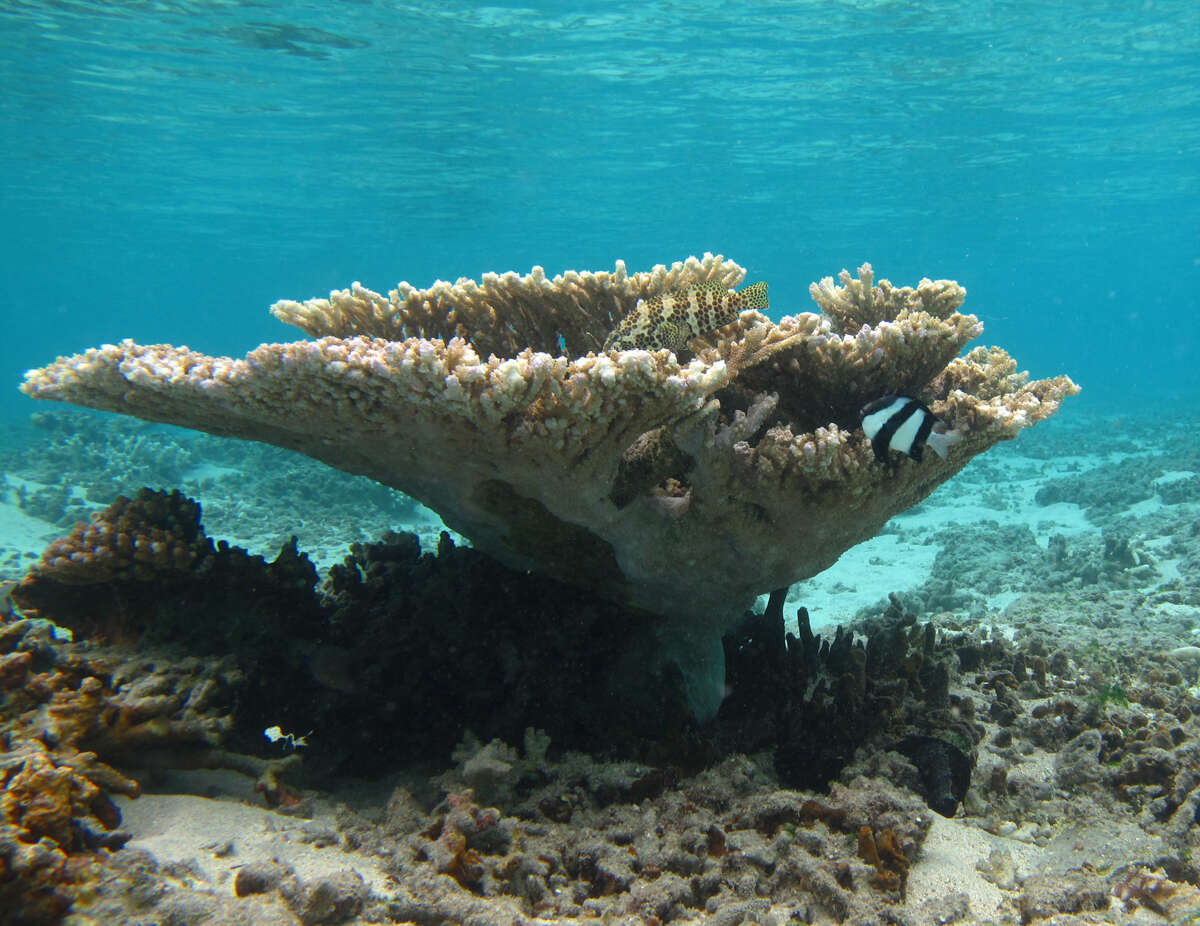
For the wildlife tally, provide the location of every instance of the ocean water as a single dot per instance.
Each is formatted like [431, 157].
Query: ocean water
[169, 169]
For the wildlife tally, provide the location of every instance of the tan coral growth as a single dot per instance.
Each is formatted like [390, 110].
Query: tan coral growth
[43, 800]
[686, 489]
[505, 312]
[859, 302]
[94, 706]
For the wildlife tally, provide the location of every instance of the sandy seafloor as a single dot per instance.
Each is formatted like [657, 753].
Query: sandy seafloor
[1079, 538]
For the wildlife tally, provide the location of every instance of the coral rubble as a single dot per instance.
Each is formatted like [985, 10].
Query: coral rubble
[720, 846]
[1076, 769]
[68, 710]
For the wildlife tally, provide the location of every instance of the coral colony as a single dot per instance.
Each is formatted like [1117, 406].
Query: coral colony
[685, 489]
[625, 507]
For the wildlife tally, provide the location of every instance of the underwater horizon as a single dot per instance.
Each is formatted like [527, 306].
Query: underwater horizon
[172, 169]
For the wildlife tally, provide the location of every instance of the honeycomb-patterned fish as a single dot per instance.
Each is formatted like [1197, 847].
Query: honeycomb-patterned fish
[672, 319]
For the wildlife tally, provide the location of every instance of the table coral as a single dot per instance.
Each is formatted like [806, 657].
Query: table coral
[685, 489]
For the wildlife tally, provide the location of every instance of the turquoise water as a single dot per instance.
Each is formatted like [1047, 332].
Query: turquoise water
[169, 169]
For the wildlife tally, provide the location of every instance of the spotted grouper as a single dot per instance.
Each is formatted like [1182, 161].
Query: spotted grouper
[672, 319]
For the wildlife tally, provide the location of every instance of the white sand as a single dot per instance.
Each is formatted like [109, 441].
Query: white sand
[896, 562]
[22, 538]
[218, 836]
[948, 864]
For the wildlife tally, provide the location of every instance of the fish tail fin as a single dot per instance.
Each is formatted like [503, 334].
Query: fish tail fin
[940, 441]
[755, 295]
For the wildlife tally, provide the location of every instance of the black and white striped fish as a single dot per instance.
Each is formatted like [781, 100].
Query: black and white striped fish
[898, 422]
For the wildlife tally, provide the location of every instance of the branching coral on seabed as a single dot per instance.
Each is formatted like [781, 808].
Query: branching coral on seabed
[684, 488]
[144, 567]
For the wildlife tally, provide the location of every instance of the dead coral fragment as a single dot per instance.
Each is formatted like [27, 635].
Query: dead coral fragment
[1178, 901]
[43, 800]
[39, 879]
[881, 850]
[458, 836]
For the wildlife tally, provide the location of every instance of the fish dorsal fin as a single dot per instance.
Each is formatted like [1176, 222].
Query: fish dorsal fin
[754, 296]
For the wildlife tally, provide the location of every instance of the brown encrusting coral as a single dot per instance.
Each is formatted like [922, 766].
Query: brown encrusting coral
[684, 489]
[68, 710]
[83, 721]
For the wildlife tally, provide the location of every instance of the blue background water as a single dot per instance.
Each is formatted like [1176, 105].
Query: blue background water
[169, 169]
